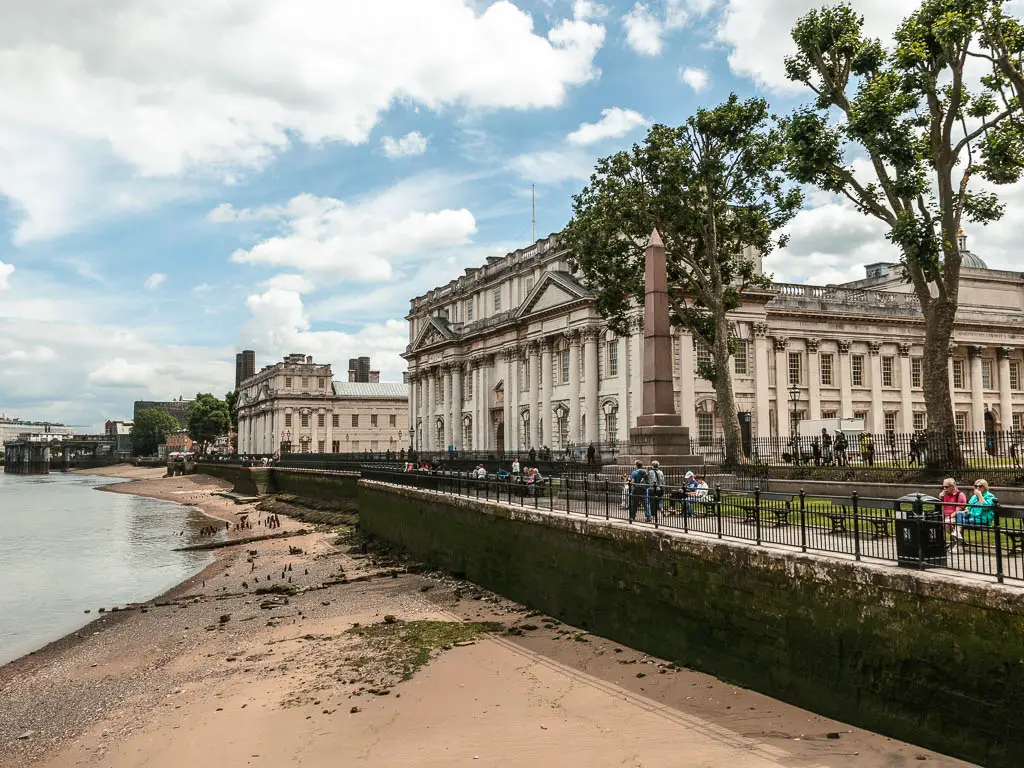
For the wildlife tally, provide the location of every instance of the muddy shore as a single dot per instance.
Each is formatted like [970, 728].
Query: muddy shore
[350, 655]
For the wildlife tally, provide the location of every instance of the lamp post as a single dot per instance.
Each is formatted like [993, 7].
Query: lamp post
[794, 400]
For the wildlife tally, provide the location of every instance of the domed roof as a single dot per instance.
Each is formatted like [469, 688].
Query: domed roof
[968, 259]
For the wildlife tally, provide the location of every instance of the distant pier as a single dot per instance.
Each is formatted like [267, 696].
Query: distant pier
[37, 455]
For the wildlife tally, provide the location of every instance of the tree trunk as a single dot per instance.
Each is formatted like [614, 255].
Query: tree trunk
[725, 401]
[943, 446]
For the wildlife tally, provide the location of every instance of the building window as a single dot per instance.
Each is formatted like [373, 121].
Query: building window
[336, 446]
[887, 380]
[305, 419]
[320, 421]
[916, 372]
[524, 375]
[469, 311]
[373, 419]
[613, 357]
[469, 388]
[1014, 375]
[705, 428]
[497, 299]
[828, 414]
[958, 373]
[1018, 422]
[890, 421]
[919, 421]
[564, 360]
[986, 374]
[740, 365]
[355, 419]
[287, 381]
[826, 370]
[703, 354]
[862, 415]
[320, 446]
[287, 419]
[857, 370]
[960, 419]
[393, 420]
[794, 368]
[305, 382]
[334, 421]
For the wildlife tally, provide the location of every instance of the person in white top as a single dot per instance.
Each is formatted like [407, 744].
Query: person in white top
[515, 466]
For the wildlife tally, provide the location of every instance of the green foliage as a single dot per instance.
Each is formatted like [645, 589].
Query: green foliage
[208, 419]
[922, 134]
[231, 398]
[152, 425]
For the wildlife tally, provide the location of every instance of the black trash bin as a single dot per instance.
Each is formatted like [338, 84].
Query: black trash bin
[920, 533]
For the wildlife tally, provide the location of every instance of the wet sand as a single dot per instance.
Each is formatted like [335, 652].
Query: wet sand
[213, 677]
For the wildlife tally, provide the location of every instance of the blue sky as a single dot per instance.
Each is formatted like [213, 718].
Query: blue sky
[177, 183]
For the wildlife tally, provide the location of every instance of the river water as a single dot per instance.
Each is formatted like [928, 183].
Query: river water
[66, 547]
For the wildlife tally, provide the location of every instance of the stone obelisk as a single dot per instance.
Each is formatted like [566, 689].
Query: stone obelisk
[659, 433]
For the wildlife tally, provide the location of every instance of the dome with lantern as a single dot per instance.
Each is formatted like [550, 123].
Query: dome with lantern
[968, 259]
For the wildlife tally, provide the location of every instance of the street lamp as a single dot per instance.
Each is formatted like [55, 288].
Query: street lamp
[794, 399]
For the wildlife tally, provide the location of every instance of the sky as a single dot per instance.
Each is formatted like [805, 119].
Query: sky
[179, 181]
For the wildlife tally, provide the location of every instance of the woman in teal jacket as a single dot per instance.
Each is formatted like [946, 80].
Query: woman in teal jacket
[981, 507]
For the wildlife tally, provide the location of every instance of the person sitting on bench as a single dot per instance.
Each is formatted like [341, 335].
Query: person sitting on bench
[980, 509]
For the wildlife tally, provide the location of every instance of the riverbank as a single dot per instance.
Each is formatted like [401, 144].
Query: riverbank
[215, 674]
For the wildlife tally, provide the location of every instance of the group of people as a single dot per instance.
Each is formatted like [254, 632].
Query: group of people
[643, 492]
[959, 511]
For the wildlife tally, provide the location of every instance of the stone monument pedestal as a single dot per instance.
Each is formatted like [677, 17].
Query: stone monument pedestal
[660, 437]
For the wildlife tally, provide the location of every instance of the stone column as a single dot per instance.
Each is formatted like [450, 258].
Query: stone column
[977, 390]
[545, 405]
[845, 381]
[813, 379]
[474, 403]
[446, 374]
[762, 392]
[428, 430]
[486, 382]
[1005, 395]
[877, 417]
[590, 393]
[782, 404]
[534, 356]
[422, 427]
[574, 386]
[906, 399]
[687, 406]
[508, 356]
[457, 406]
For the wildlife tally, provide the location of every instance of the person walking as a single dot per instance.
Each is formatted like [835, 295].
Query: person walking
[533, 457]
[840, 443]
[826, 448]
[638, 490]
[655, 490]
[591, 454]
[516, 469]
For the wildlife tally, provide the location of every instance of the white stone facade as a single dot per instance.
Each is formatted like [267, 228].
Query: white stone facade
[295, 405]
[514, 355]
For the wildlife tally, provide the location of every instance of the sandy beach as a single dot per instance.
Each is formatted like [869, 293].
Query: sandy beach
[328, 656]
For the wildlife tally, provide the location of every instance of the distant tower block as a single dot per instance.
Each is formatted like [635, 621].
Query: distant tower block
[359, 371]
[245, 366]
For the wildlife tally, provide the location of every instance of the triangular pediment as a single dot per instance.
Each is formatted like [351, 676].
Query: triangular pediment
[433, 332]
[553, 290]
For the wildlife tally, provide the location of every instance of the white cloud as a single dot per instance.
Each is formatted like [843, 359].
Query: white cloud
[553, 166]
[6, 270]
[584, 10]
[644, 31]
[155, 280]
[615, 122]
[757, 32]
[694, 77]
[289, 282]
[120, 106]
[120, 373]
[411, 144]
[202, 289]
[329, 237]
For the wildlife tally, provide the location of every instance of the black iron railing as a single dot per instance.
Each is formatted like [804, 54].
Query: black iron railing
[916, 531]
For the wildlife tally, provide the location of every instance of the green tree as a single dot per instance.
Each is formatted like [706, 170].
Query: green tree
[152, 425]
[231, 398]
[714, 189]
[208, 419]
[926, 140]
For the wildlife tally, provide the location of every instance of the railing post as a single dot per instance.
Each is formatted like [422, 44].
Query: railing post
[803, 521]
[586, 498]
[568, 491]
[999, 543]
[919, 512]
[856, 527]
[757, 515]
[607, 511]
[717, 504]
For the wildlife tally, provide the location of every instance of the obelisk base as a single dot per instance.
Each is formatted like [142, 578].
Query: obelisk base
[660, 437]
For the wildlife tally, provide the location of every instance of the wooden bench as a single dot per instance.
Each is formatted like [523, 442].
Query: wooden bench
[840, 511]
[777, 513]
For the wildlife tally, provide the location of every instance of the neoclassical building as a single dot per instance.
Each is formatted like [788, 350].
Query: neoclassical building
[296, 406]
[513, 355]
